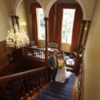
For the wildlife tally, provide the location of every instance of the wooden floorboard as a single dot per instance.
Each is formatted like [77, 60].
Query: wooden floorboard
[74, 95]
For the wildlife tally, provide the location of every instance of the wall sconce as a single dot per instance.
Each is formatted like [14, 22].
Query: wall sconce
[85, 28]
[23, 24]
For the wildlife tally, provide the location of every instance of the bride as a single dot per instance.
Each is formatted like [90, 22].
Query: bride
[62, 73]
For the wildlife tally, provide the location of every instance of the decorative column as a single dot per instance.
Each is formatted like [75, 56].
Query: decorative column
[82, 41]
[46, 39]
[14, 19]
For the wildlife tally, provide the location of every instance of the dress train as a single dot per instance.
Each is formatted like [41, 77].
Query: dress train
[62, 74]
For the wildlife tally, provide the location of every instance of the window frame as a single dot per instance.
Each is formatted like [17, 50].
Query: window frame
[68, 37]
[39, 29]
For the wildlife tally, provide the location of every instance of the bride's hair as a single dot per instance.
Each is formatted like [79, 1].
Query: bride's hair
[61, 52]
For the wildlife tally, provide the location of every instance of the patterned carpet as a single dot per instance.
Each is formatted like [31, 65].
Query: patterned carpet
[57, 90]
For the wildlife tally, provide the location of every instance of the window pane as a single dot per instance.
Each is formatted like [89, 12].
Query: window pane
[67, 25]
[40, 24]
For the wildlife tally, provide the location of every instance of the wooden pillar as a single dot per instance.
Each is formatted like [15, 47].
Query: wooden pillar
[15, 21]
[89, 22]
[82, 39]
[46, 40]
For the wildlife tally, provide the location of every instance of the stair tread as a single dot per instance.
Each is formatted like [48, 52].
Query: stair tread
[60, 89]
[67, 92]
[45, 97]
[55, 95]
[64, 87]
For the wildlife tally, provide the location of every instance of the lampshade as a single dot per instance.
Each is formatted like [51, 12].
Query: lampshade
[17, 39]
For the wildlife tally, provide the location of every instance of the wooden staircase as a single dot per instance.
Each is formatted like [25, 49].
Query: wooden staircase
[22, 85]
[58, 91]
[35, 85]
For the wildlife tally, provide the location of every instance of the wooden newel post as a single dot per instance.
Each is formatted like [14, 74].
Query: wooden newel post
[46, 39]
[78, 58]
[82, 42]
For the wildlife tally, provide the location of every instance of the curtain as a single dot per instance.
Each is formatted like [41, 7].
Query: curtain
[76, 27]
[34, 21]
[51, 25]
[59, 14]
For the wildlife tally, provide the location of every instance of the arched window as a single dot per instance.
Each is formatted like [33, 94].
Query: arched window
[67, 25]
[40, 24]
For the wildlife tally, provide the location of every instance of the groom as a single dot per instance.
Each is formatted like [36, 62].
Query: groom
[52, 63]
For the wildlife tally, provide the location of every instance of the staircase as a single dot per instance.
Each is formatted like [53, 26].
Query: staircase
[58, 91]
[22, 85]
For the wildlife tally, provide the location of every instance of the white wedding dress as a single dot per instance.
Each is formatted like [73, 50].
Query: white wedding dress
[62, 73]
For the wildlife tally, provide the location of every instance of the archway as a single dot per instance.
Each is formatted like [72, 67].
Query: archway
[46, 12]
[53, 1]
[18, 3]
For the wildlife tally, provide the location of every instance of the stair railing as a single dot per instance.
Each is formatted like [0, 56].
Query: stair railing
[21, 85]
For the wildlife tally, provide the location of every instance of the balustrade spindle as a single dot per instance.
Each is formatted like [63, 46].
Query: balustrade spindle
[21, 85]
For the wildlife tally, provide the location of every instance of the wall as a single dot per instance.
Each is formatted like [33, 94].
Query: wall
[41, 43]
[23, 16]
[65, 46]
[5, 19]
[89, 7]
[92, 55]
[27, 6]
[9, 6]
[92, 58]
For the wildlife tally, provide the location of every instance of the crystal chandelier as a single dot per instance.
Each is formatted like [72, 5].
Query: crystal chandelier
[17, 38]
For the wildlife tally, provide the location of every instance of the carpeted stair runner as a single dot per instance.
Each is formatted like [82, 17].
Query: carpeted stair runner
[45, 97]
[55, 95]
[54, 91]
[58, 91]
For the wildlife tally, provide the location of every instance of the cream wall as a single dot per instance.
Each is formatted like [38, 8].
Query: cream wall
[23, 16]
[7, 7]
[92, 58]
[41, 43]
[29, 19]
[92, 51]
[84, 36]
[5, 19]
[44, 2]
[65, 47]
[89, 7]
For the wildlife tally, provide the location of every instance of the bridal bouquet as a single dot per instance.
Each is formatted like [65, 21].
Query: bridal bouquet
[60, 64]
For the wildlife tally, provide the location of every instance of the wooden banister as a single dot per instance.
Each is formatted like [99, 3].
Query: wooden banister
[23, 84]
[12, 76]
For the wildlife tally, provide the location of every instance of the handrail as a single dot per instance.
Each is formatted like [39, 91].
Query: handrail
[35, 52]
[21, 85]
[16, 75]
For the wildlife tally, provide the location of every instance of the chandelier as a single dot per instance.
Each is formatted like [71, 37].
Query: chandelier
[17, 38]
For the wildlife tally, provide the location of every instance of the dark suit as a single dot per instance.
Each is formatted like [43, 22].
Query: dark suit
[51, 63]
